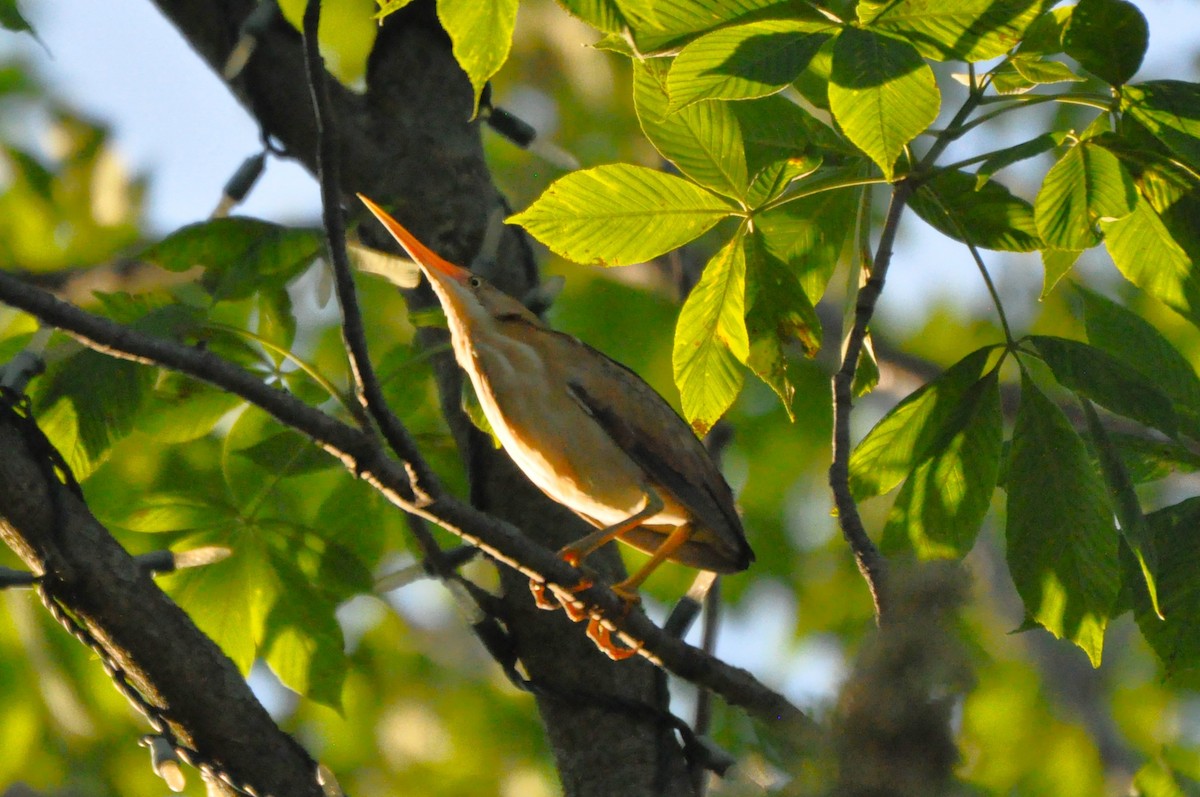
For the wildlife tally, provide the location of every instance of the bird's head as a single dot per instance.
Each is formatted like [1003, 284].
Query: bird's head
[468, 300]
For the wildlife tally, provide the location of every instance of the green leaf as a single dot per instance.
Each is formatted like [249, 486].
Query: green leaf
[944, 499]
[12, 19]
[780, 314]
[1148, 460]
[226, 599]
[1044, 36]
[1174, 638]
[1108, 38]
[1003, 158]
[965, 30]
[180, 410]
[668, 24]
[1040, 72]
[705, 142]
[989, 217]
[711, 338]
[1144, 250]
[620, 214]
[603, 15]
[303, 643]
[744, 61]
[276, 320]
[1108, 381]
[882, 94]
[1056, 264]
[775, 128]
[1129, 337]
[171, 512]
[239, 255]
[1129, 510]
[1170, 111]
[100, 396]
[481, 35]
[912, 431]
[1062, 545]
[1087, 185]
[287, 453]
[810, 233]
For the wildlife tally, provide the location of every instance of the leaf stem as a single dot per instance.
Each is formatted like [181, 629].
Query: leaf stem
[836, 185]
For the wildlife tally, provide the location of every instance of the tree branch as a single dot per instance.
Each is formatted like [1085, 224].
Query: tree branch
[361, 454]
[185, 678]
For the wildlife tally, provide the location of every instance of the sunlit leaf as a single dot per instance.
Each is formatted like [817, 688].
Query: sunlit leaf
[705, 142]
[744, 61]
[915, 428]
[1062, 543]
[1108, 38]
[603, 15]
[967, 30]
[1149, 256]
[303, 642]
[1087, 185]
[617, 215]
[711, 338]
[1056, 264]
[882, 94]
[1170, 111]
[944, 499]
[481, 34]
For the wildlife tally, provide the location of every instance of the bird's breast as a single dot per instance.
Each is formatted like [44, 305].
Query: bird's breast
[553, 440]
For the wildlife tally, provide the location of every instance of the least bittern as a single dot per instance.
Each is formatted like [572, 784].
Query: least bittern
[586, 430]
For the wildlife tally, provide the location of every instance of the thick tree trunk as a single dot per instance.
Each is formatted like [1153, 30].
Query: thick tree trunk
[407, 142]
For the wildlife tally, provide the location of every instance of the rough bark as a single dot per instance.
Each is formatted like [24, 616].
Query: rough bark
[407, 142]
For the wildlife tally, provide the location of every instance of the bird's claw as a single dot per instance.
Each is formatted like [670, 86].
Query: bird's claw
[602, 637]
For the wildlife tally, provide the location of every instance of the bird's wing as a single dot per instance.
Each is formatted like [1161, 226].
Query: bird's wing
[609, 392]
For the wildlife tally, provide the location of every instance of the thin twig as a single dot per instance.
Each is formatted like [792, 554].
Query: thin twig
[367, 387]
[361, 454]
[871, 563]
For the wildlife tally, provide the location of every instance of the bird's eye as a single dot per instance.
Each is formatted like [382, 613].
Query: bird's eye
[474, 282]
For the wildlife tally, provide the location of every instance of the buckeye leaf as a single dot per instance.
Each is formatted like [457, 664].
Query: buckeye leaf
[1108, 381]
[744, 61]
[480, 34]
[780, 314]
[239, 255]
[711, 338]
[1173, 636]
[1170, 110]
[912, 432]
[1144, 250]
[704, 141]
[1062, 544]
[944, 499]
[1108, 38]
[988, 216]
[882, 93]
[620, 214]
[1016, 153]
[1125, 500]
[965, 30]
[1087, 185]
[1126, 335]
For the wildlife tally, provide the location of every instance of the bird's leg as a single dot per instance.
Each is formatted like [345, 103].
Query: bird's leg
[577, 551]
[628, 588]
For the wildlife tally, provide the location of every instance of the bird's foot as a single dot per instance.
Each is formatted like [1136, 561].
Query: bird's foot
[601, 636]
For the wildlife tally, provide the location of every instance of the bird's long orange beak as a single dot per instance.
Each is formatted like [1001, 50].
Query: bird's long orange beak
[425, 257]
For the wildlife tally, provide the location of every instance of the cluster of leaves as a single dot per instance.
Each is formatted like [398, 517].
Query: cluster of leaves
[781, 118]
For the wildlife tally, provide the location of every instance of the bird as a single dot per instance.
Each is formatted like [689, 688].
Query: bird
[587, 431]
